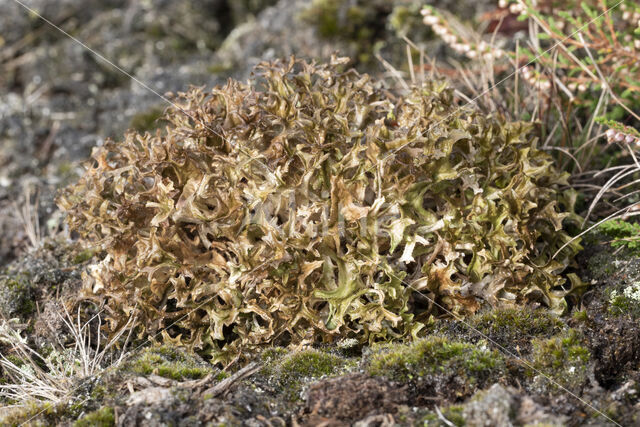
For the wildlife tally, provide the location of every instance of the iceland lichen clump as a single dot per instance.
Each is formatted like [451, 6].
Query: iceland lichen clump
[313, 205]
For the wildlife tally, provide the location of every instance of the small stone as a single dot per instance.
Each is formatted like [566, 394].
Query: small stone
[150, 396]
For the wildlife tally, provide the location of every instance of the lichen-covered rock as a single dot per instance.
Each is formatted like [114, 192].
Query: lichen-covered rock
[313, 206]
[495, 407]
[500, 406]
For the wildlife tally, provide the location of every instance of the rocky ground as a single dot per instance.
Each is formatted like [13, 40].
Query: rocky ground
[501, 367]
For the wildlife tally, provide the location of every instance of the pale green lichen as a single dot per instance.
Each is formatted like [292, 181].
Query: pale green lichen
[625, 302]
[322, 212]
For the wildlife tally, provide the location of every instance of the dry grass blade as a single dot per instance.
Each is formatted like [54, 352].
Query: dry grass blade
[50, 378]
[28, 217]
[627, 171]
[91, 357]
[29, 380]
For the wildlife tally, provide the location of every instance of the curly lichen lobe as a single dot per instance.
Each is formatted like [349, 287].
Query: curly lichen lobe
[313, 205]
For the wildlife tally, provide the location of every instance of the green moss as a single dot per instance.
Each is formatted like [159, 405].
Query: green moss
[433, 356]
[563, 358]
[177, 43]
[291, 371]
[242, 9]
[324, 14]
[16, 296]
[66, 172]
[98, 392]
[147, 121]
[515, 326]
[34, 414]
[103, 417]
[309, 364]
[515, 321]
[368, 26]
[155, 31]
[624, 233]
[406, 20]
[169, 362]
[83, 256]
[581, 316]
[272, 355]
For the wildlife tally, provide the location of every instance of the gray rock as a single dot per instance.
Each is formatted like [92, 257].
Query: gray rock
[494, 407]
[501, 406]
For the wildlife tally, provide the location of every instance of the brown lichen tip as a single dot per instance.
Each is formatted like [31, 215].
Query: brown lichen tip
[311, 204]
